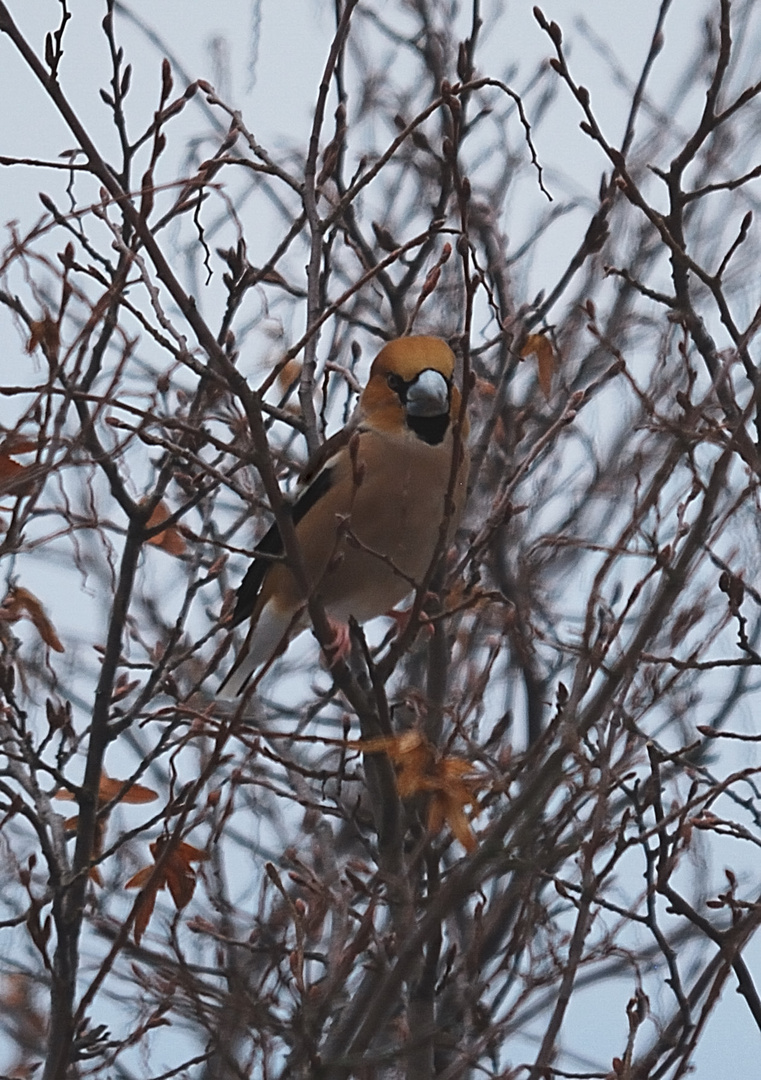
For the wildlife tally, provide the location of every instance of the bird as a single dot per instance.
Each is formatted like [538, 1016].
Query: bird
[369, 515]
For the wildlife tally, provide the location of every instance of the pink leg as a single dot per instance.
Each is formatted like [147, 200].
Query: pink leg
[340, 646]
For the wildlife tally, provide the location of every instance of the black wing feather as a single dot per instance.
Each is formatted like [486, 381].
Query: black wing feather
[272, 544]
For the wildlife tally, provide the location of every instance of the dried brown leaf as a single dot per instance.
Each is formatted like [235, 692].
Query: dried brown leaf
[176, 873]
[109, 788]
[450, 782]
[14, 477]
[44, 332]
[169, 539]
[20, 603]
[540, 346]
[288, 375]
[135, 793]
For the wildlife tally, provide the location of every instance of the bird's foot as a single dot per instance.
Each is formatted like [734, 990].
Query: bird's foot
[339, 647]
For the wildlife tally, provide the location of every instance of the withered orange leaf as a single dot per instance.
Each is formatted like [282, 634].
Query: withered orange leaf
[135, 793]
[109, 788]
[44, 332]
[71, 824]
[180, 875]
[447, 806]
[169, 539]
[15, 478]
[16, 443]
[20, 602]
[546, 360]
[140, 878]
[10, 469]
[18, 999]
[145, 902]
[484, 387]
[451, 782]
[410, 752]
[176, 874]
[288, 375]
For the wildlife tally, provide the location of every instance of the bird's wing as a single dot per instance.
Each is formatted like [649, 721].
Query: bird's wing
[331, 448]
[317, 477]
[271, 545]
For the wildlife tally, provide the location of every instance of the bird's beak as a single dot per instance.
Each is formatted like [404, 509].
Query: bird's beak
[428, 394]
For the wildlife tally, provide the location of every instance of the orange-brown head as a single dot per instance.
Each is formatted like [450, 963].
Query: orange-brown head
[410, 386]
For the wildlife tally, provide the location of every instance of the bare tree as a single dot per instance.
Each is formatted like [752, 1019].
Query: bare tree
[526, 800]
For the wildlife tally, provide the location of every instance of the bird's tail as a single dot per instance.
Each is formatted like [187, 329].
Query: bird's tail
[236, 680]
[266, 639]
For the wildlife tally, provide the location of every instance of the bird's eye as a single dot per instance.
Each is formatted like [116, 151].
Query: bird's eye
[395, 382]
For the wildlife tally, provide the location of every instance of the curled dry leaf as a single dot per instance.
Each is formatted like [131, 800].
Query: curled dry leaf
[108, 789]
[18, 1002]
[169, 539]
[540, 346]
[288, 375]
[451, 782]
[484, 387]
[19, 603]
[44, 332]
[176, 874]
[15, 478]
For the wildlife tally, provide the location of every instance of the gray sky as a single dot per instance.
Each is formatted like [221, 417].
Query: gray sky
[284, 59]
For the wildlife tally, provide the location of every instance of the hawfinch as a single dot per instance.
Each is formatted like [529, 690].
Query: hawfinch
[369, 520]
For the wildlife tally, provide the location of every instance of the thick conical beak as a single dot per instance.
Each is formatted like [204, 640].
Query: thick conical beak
[428, 394]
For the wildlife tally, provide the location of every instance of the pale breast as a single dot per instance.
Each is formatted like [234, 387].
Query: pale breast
[395, 517]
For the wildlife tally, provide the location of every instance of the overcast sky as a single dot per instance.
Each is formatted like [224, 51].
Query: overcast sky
[267, 59]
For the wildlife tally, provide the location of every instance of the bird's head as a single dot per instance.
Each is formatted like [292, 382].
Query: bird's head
[410, 386]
